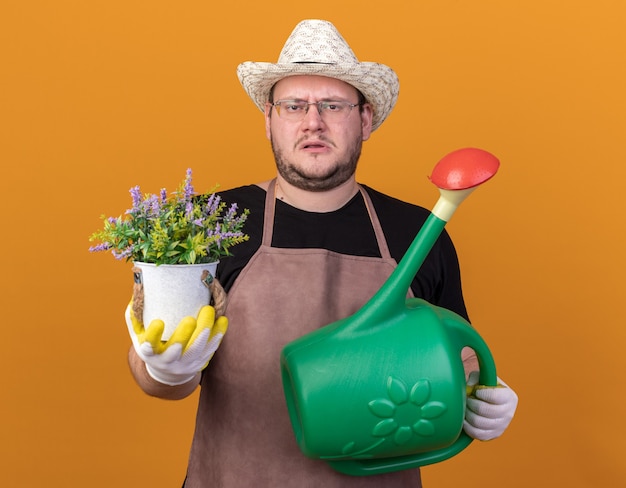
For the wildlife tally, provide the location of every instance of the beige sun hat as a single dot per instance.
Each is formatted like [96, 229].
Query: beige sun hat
[315, 47]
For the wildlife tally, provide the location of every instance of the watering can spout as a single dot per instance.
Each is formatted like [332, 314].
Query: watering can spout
[456, 175]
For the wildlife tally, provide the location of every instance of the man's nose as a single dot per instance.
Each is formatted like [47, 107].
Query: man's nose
[313, 117]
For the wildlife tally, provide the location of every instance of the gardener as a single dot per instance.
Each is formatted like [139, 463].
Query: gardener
[320, 246]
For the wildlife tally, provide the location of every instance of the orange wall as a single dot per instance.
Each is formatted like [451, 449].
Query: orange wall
[97, 96]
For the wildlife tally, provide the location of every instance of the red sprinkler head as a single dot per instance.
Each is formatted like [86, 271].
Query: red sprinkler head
[464, 168]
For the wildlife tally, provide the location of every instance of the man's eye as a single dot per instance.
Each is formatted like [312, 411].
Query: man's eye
[332, 107]
[293, 107]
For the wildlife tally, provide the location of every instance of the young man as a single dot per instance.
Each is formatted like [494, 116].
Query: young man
[320, 246]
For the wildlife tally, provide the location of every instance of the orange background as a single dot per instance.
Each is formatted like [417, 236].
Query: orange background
[98, 96]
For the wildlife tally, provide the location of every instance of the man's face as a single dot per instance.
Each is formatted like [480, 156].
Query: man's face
[317, 153]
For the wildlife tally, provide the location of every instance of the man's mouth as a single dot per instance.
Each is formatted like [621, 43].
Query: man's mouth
[313, 145]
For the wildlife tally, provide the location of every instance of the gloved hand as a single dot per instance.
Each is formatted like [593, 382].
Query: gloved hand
[187, 352]
[490, 409]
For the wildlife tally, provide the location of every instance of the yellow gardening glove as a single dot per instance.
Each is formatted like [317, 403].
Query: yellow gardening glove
[187, 352]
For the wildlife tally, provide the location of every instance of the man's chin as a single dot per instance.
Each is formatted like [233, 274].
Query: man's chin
[318, 183]
[316, 175]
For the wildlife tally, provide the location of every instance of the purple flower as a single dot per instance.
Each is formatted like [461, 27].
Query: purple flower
[135, 193]
[212, 204]
[232, 211]
[153, 206]
[188, 188]
[105, 246]
[123, 254]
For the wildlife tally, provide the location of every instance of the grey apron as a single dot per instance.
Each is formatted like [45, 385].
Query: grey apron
[243, 435]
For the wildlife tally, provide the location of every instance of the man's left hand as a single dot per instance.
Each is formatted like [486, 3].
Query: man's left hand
[490, 409]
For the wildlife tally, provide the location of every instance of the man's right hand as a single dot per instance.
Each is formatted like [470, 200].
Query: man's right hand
[186, 353]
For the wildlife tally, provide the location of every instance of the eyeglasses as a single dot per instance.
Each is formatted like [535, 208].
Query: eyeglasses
[329, 110]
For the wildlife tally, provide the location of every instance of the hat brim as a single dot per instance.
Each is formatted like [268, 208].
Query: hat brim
[378, 83]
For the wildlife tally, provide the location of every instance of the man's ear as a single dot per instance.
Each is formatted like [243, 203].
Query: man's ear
[268, 115]
[366, 121]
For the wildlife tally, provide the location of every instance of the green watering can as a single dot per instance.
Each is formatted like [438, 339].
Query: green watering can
[384, 389]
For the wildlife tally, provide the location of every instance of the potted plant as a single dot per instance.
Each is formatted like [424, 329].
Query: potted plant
[175, 242]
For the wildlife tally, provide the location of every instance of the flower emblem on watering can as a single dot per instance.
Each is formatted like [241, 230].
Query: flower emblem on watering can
[403, 413]
[406, 412]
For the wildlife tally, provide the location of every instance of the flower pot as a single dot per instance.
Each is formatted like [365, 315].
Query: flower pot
[173, 291]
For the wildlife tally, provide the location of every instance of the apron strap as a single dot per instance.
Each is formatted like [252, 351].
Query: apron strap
[268, 219]
[378, 230]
